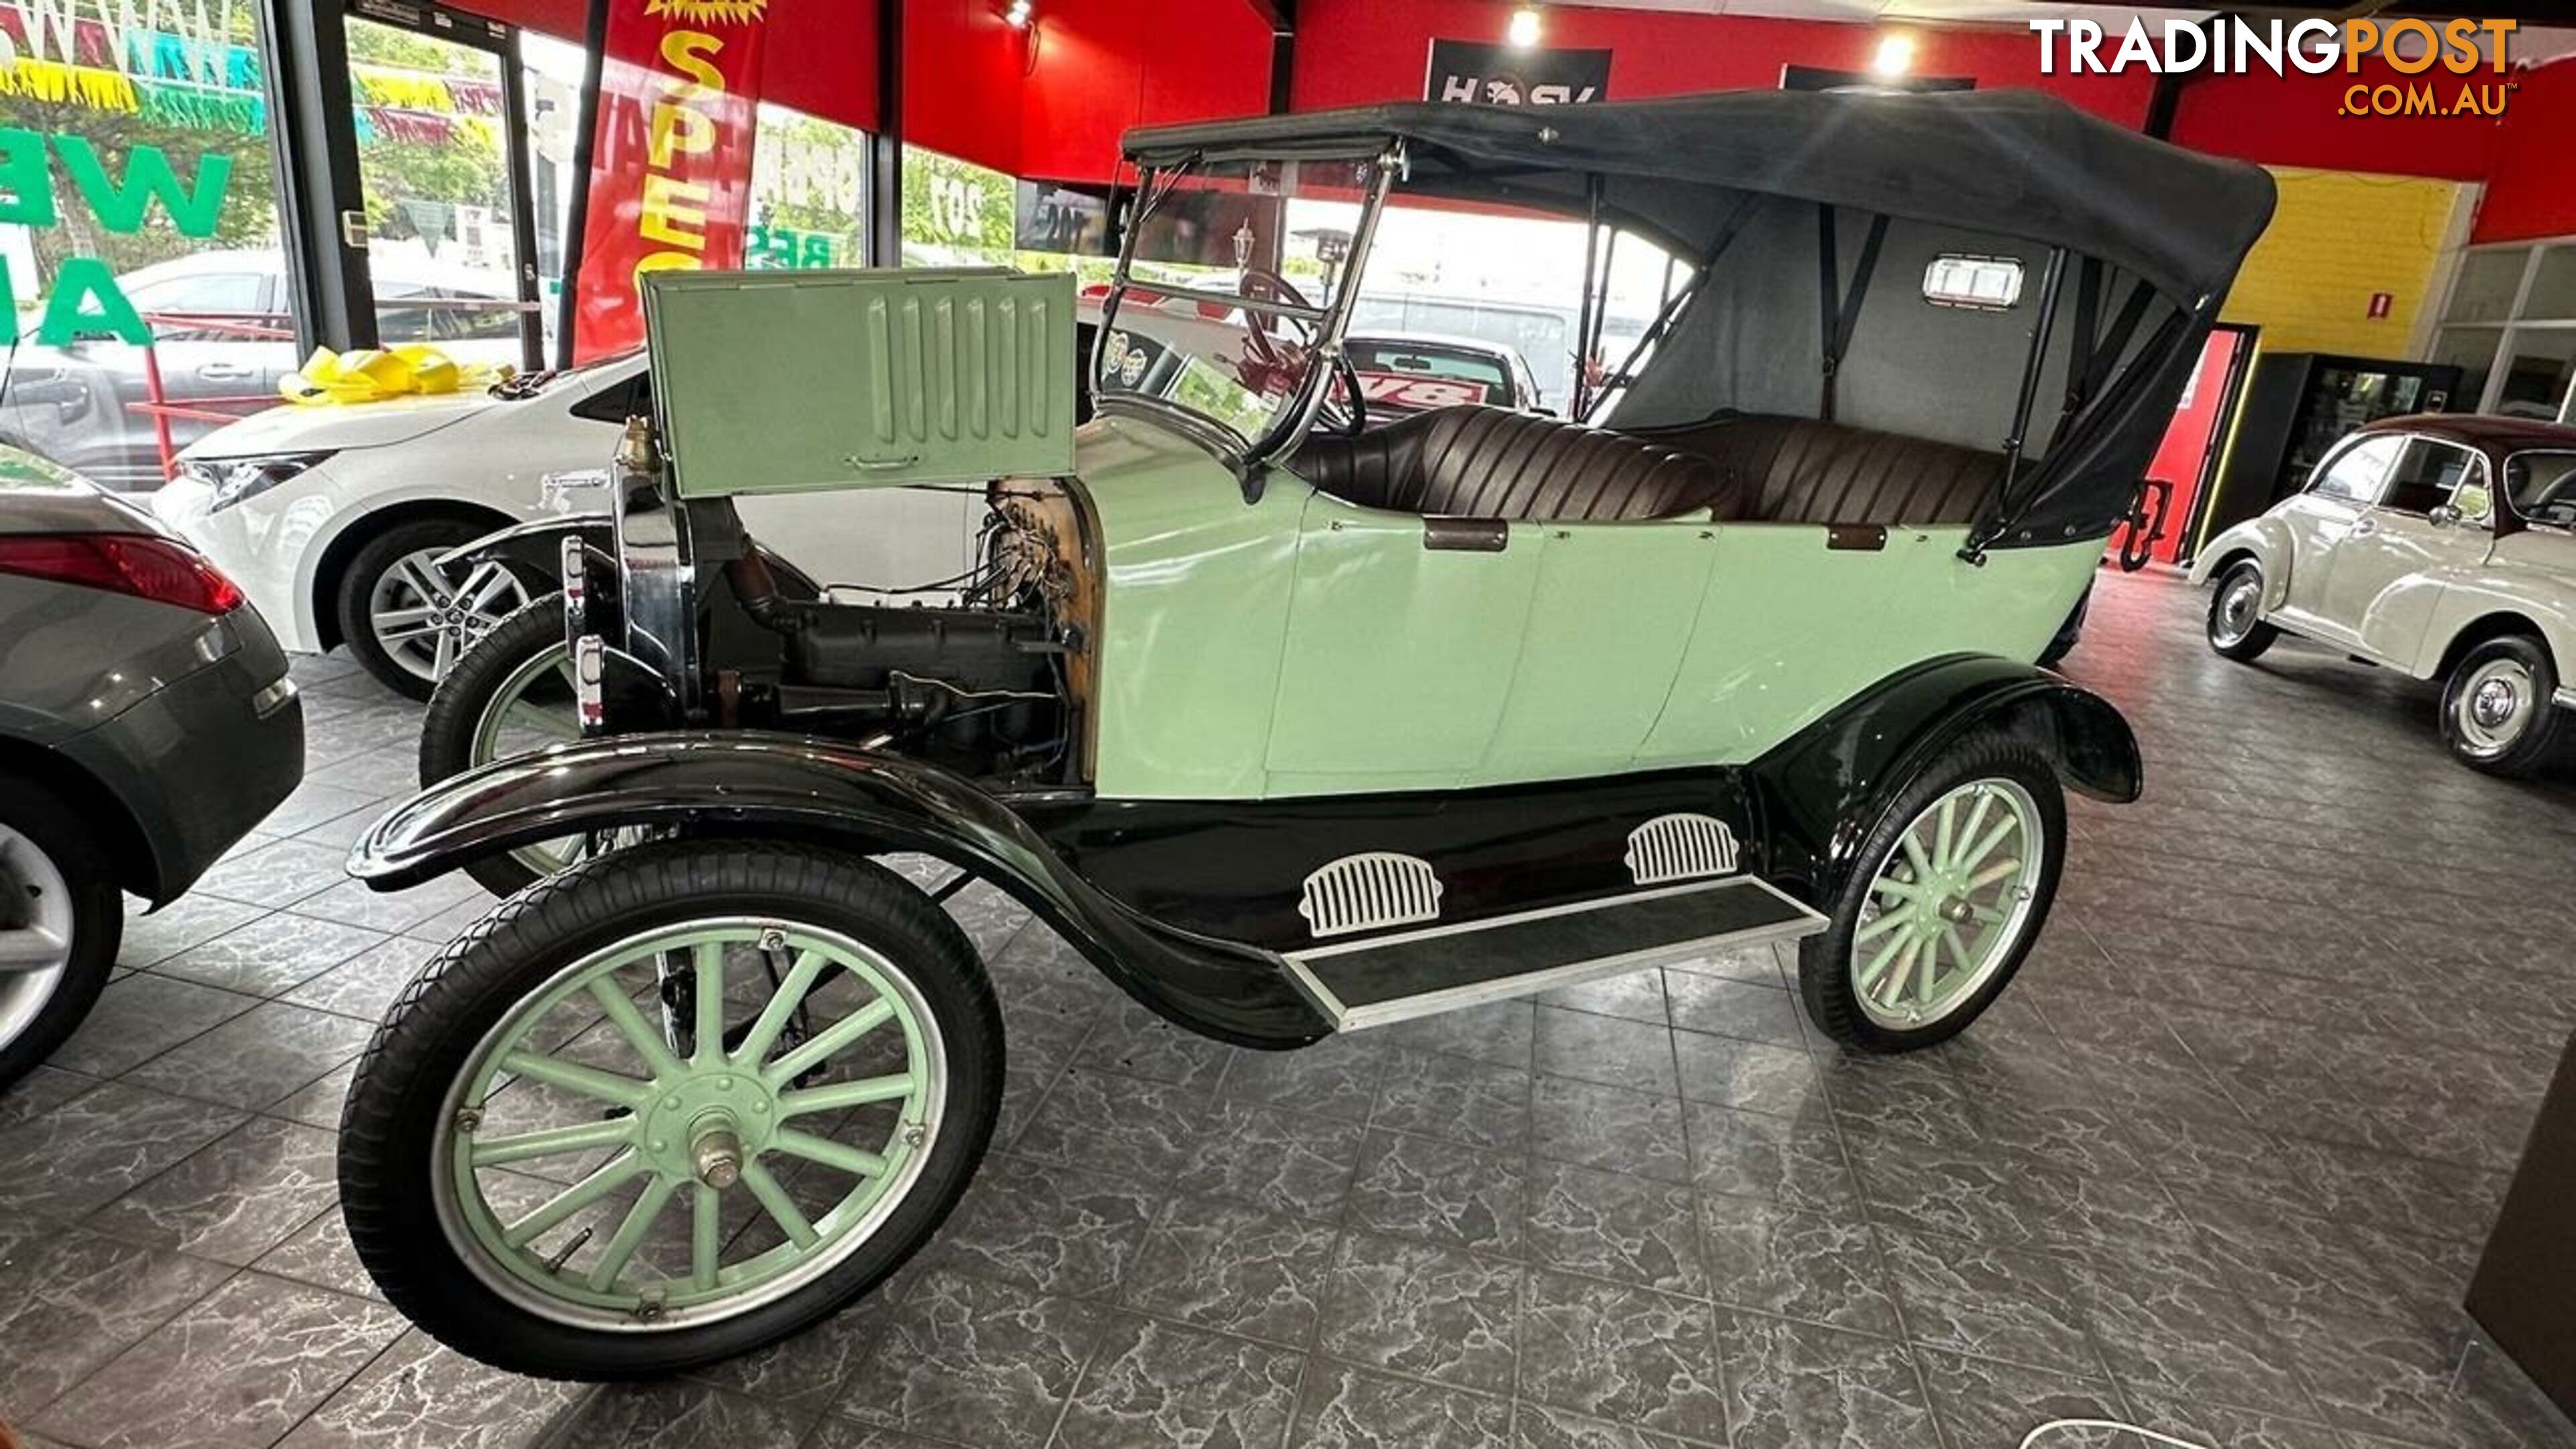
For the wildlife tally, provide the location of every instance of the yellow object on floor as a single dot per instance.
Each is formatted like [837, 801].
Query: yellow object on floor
[374, 374]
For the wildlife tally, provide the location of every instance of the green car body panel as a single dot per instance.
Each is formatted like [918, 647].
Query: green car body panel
[1246, 649]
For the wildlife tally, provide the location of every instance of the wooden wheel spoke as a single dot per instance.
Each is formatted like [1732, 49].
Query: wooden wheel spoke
[809, 966]
[630, 1233]
[829, 1040]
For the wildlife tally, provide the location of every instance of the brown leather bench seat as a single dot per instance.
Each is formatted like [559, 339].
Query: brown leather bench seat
[1800, 470]
[1481, 462]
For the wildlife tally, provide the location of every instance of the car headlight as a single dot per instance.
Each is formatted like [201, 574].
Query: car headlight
[230, 480]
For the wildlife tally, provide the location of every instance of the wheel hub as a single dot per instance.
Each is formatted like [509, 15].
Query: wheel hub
[706, 1124]
[2494, 703]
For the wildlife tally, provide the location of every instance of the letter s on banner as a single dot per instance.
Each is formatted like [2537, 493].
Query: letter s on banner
[670, 161]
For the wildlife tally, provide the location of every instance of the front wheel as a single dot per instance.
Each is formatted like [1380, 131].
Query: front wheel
[406, 619]
[2236, 627]
[1943, 899]
[669, 1106]
[60, 917]
[512, 693]
[2498, 713]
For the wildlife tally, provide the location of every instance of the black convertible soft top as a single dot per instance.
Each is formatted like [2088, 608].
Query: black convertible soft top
[2014, 162]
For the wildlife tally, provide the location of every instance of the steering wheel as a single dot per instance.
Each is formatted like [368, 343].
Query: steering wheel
[1256, 325]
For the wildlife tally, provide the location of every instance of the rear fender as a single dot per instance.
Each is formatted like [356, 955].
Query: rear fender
[768, 785]
[1823, 789]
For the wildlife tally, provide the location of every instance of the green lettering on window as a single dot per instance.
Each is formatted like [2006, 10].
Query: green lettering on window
[69, 315]
[121, 206]
[26, 179]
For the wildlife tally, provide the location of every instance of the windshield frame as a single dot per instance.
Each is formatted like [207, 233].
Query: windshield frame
[1296, 417]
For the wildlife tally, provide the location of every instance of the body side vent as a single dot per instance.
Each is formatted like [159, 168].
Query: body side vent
[1680, 847]
[1370, 891]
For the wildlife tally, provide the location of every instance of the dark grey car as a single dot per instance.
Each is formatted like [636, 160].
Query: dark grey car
[146, 724]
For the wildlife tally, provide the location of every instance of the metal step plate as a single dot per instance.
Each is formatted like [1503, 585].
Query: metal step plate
[1443, 968]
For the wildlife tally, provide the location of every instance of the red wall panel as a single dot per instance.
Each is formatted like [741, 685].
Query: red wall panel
[1351, 52]
[964, 74]
[820, 56]
[2531, 191]
[2296, 120]
[1103, 66]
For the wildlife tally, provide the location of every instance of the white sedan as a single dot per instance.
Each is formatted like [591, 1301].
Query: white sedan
[2442, 545]
[333, 518]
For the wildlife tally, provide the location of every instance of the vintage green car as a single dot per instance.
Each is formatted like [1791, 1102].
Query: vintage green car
[1291, 729]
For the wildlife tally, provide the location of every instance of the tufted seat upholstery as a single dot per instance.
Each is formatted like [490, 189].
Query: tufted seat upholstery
[1799, 470]
[1480, 462]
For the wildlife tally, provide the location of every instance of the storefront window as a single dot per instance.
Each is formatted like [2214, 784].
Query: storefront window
[139, 234]
[955, 213]
[809, 186]
[2522, 368]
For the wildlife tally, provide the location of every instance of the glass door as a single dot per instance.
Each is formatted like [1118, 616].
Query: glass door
[449, 223]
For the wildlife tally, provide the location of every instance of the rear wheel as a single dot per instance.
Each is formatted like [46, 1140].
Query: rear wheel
[61, 915]
[1943, 901]
[669, 1106]
[512, 693]
[2497, 709]
[2236, 627]
[408, 620]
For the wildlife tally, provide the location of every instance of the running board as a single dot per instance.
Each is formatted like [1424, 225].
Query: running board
[1443, 968]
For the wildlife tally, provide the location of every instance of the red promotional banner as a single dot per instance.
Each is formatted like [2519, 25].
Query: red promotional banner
[670, 160]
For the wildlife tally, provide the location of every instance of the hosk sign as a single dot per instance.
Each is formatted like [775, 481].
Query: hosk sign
[1463, 70]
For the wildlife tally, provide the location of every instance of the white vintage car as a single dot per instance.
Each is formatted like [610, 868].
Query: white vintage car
[2444, 546]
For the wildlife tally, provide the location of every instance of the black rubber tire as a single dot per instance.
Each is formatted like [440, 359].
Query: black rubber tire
[358, 582]
[98, 917]
[389, 1123]
[456, 708]
[1824, 959]
[2258, 637]
[2540, 739]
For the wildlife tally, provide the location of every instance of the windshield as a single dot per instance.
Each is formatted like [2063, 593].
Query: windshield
[1402, 375]
[1228, 301]
[2543, 486]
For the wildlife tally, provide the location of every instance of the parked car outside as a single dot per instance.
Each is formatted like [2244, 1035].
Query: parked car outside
[2441, 545]
[336, 519]
[146, 724]
[78, 405]
[1404, 375]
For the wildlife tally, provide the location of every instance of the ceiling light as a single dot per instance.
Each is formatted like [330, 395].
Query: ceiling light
[1020, 13]
[1523, 32]
[1895, 55]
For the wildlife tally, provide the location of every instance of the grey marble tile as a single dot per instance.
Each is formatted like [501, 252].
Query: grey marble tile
[1436, 1095]
[1054, 1229]
[84, 1153]
[1980, 1402]
[1992, 1303]
[42, 1090]
[269, 955]
[1793, 1160]
[1624, 1354]
[418, 1394]
[238, 1368]
[1336, 1077]
[1611, 1225]
[1736, 1008]
[317, 1103]
[1134, 1041]
[1273, 1158]
[2431, 1383]
[1159, 1383]
[276, 874]
[1638, 996]
[2173, 1340]
[1424, 1312]
[1421, 1187]
[258, 1058]
[1750, 1075]
[354, 903]
[801, 1376]
[140, 1016]
[1543, 1426]
[2233, 1428]
[1113, 1124]
[675, 1416]
[1792, 1385]
[1960, 1194]
[1503, 1033]
[1633, 1054]
[1235, 1269]
[1343, 1407]
[982, 1362]
[235, 1198]
[1608, 1127]
[177, 926]
[1761, 965]
[70, 1300]
[366, 985]
[1819, 1267]
[319, 1253]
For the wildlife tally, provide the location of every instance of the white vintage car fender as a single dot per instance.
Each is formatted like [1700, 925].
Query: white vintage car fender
[2531, 576]
[2263, 536]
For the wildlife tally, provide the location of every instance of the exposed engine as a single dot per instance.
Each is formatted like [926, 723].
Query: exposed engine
[991, 685]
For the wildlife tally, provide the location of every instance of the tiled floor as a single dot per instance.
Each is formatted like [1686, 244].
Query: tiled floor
[2220, 1162]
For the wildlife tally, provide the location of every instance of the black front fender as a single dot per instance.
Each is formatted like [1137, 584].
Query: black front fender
[1823, 788]
[784, 785]
[535, 547]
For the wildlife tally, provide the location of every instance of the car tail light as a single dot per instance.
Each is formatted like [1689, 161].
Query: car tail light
[140, 564]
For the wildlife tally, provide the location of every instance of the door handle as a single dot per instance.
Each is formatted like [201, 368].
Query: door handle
[222, 371]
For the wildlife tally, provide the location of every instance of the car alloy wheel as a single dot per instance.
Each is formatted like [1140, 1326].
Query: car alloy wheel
[1949, 904]
[37, 929]
[2240, 608]
[531, 708]
[713, 1134]
[425, 617]
[2493, 706]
